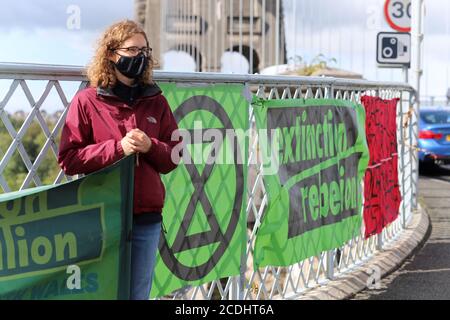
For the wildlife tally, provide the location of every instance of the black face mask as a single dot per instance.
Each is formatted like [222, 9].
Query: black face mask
[132, 67]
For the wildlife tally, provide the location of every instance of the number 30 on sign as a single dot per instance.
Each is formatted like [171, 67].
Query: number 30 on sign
[398, 14]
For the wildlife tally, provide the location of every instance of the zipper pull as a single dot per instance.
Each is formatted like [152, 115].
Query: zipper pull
[137, 159]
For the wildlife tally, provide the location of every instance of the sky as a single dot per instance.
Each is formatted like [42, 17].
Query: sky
[347, 29]
[42, 31]
[50, 32]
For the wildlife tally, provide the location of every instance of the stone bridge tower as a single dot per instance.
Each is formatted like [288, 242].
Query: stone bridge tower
[206, 29]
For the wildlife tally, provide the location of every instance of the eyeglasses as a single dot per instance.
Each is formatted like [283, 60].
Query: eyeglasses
[134, 51]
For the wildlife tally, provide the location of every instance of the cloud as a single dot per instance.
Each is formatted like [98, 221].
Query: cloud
[48, 45]
[347, 29]
[94, 15]
[36, 31]
[324, 14]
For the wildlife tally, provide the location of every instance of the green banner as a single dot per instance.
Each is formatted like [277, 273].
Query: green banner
[204, 212]
[314, 161]
[68, 241]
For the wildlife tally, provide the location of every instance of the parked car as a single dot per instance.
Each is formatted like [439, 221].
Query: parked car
[434, 135]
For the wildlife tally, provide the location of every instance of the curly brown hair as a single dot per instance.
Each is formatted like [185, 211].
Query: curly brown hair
[100, 71]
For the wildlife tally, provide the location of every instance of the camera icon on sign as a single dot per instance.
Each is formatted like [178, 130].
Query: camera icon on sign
[392, 48]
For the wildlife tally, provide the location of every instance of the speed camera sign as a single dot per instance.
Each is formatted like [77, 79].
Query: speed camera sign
[398, 14]
[394, 49]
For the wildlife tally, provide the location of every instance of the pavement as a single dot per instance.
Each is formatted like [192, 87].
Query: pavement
[386, 261]
[426, 274]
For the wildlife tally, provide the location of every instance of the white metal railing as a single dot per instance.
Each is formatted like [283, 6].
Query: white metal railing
[438, 101]
[270, 282]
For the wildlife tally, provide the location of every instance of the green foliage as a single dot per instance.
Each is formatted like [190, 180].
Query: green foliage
[33, 142]
[306, 69]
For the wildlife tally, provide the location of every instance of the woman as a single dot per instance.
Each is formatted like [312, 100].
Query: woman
[121, 113]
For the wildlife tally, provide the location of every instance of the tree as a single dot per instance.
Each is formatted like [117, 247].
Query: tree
[306, 69]
[33, 142]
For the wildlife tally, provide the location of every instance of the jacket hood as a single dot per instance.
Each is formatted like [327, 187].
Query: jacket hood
[148, 90]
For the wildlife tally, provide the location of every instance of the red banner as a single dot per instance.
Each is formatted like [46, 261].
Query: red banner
[381, 188]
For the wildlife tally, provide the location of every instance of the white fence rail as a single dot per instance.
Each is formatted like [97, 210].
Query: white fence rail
[270, 282]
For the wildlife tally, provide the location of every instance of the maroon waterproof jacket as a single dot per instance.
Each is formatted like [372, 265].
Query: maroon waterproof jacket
[97, 121]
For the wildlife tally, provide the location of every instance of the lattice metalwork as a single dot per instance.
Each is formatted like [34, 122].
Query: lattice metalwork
[270, 282]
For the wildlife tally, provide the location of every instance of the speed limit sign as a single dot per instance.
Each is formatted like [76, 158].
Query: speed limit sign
[398, 14]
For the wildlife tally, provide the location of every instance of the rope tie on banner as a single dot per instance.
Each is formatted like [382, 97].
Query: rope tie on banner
[408, 117]
[382, 160]
[406, 124]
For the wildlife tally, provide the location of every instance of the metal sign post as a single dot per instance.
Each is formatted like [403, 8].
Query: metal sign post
[418, 10]
[405, 74]
[417, 38]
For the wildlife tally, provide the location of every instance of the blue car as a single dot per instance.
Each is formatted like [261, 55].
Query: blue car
[434, 135]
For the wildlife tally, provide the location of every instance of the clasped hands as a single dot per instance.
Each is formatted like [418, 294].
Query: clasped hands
[136, 141]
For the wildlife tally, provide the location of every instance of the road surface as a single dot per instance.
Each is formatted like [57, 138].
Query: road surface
[426, 275]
